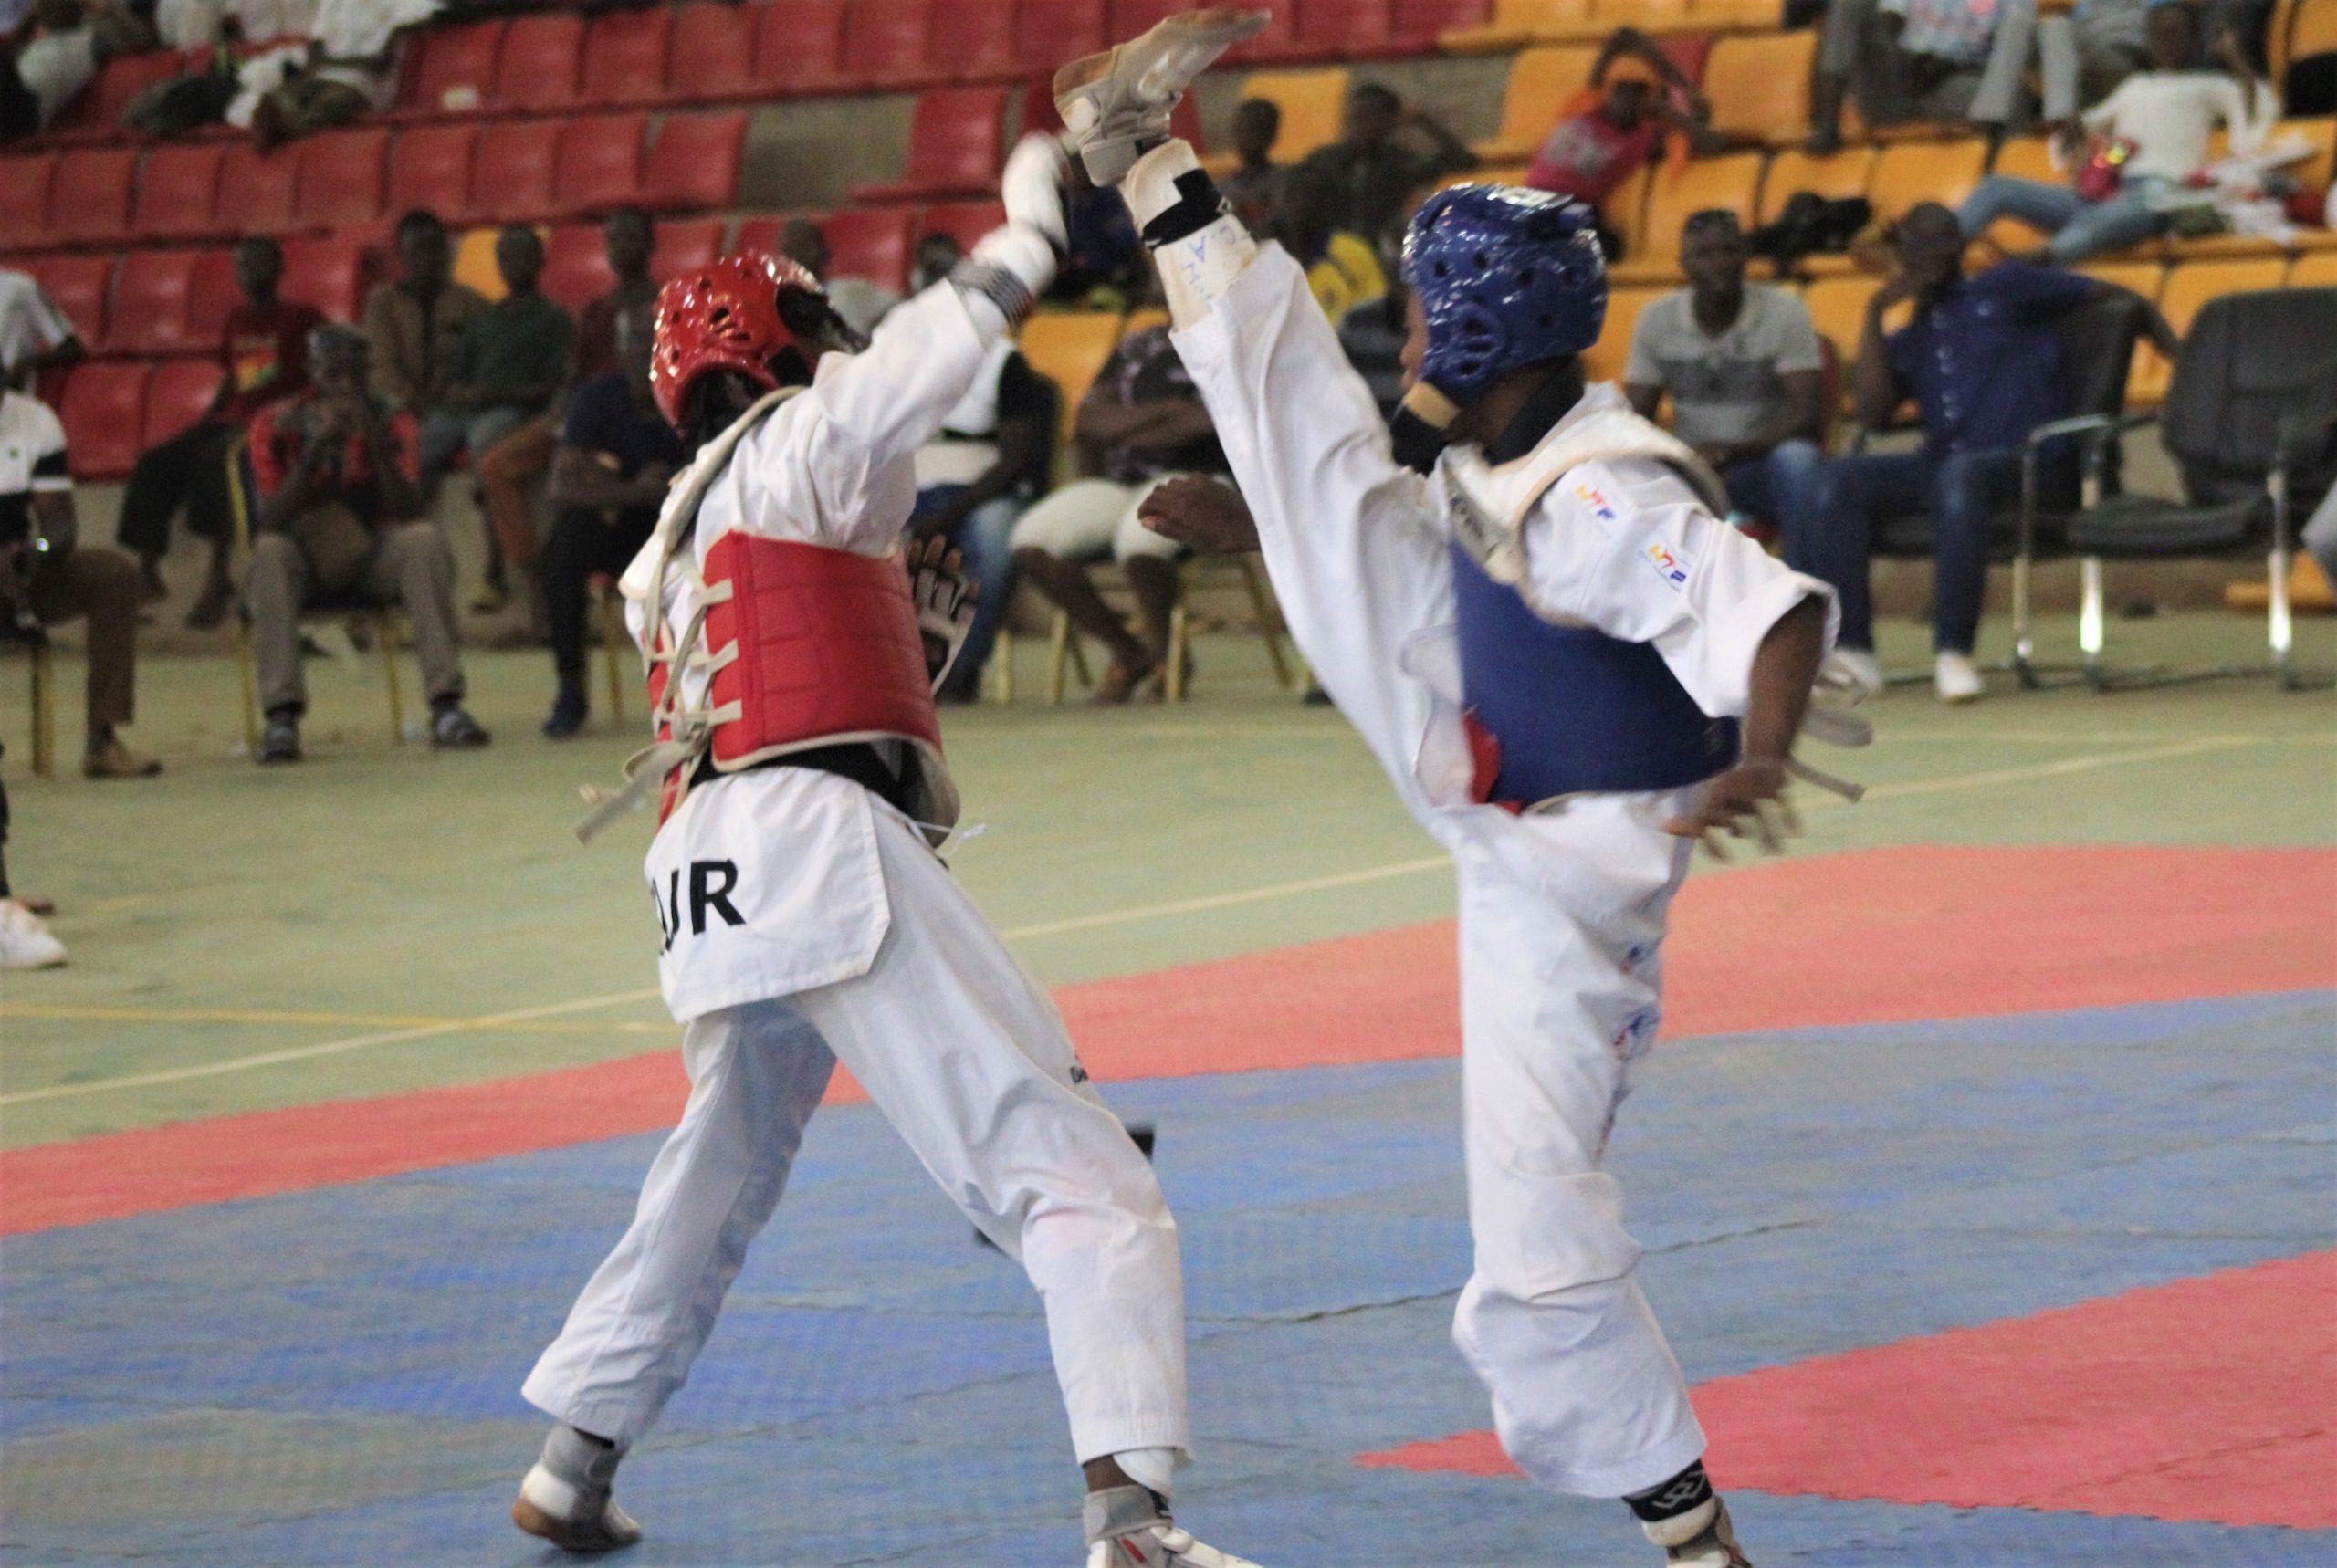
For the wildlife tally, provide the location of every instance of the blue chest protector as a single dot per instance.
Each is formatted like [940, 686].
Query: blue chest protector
[1573, 709]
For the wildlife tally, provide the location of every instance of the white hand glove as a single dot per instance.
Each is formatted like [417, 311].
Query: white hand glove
[1116, 103]
[1033, 186]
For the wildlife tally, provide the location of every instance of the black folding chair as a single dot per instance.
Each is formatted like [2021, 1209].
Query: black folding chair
[2251, 422]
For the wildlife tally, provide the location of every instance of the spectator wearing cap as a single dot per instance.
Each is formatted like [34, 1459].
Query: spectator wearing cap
[263, 359]
[1638, 106]
[1386, 148]
[1742, 366]
[338, 475]
[1958, 60]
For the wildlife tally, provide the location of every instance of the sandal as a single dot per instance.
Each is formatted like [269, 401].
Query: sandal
[1120, 682]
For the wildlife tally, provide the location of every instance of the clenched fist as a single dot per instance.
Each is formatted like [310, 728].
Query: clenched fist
[1206, 515]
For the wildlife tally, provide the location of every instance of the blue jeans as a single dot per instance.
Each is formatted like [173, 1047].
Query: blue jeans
[983, 538]
[1766, 488]
[1832, 538]
[2080, 228]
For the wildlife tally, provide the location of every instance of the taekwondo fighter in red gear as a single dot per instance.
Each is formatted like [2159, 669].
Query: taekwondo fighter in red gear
[806, 918]
[1569, 665]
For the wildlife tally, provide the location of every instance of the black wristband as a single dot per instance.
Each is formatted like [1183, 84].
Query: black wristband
[1199, 204]
[1416, 441]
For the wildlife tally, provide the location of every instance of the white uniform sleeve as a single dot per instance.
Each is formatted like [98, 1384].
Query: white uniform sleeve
[45, 440]
[833, 466]
[1628, 547]
[1351, 538]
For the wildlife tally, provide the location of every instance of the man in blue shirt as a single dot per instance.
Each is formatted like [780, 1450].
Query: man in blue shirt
[1982, 362]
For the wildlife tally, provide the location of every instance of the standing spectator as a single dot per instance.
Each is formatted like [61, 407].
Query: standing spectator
[355, 50]
[2165, 116]
[1341, 268]
[1372, 169]
[1982, 362]
[1742, 364]
[34, 334]
[617, 455]
[976, 479]
[46, 578]
[416, 323]
[1920, 59]
[1250, 189]
[54, 63]
[629, 238]
[1144, 423]
[341, 507]
[263, 359]
[860, 303]
[514, 360]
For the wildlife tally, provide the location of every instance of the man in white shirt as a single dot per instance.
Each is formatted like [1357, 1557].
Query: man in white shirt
[34, 334]
[2166, 115]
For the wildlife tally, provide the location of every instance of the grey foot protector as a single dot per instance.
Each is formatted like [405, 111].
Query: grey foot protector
[1115, 1511]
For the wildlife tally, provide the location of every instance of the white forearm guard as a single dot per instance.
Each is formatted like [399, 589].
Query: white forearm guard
[1196, 267]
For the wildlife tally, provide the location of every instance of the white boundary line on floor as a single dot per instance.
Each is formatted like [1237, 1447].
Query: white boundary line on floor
[1166, 909]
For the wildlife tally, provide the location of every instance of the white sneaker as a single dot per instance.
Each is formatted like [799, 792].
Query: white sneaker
[1127, 1528]
[1856, 670]
[1114, 103]
[1701, 1538]
[25, 941]
[1957, 681]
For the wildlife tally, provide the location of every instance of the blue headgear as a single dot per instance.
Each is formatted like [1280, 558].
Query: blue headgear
[1506, 277]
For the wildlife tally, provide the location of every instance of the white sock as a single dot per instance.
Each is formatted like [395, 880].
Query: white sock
[1154, 1469]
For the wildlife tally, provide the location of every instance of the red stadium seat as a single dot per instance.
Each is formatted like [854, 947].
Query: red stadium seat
[452, 69]
[430, 169]
[511, 171]
[154, 299]
[798, 47]
[685, 245]
[330, 272]
[104, 411]
[576, 265]
[258, 191]
[981, 46]
[695, 161]
[97, 109]
[1049, 32]
[598, 164]
[24, 199]
[624, 57]
[1346, 29]
[957, 145]
[177, 395]
[1418, 22]
[964, 222]
[1275, 46]
[755, 237]
[536, 66]
[90, 202]
[885, 43]
[178, 189]
[340, 179]
[871, 243]
[712, 53]
[80, 286]
[214, 293]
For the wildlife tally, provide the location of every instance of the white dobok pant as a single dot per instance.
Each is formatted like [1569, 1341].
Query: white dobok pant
[968, 1058]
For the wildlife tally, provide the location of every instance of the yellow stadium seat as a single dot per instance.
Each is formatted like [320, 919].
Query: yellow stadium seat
[1914, 172]
[2028, 158]
[1312, 104]
[2312, 31]
[1735, 15]
[1144, 320]
[2188, 288]
[1069, 347]
[1759, 86]
[1647, 16]
[1837, 310]
[1605, 361]
[1514, 23]
[1540, 83]
[2318, 270]
[1625, 209]
[1836, 176]
[1732, 180]
[2144, 277]
[474, 262]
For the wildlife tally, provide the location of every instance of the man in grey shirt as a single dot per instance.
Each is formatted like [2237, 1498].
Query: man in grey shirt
[1743, 367]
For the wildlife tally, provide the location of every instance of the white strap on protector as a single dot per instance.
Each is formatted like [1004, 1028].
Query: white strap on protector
[1197, 270]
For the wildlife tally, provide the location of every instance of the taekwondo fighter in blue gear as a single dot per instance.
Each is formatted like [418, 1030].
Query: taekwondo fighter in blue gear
[1570, 666]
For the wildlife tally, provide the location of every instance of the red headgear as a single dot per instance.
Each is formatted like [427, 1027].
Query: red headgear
[724, 316]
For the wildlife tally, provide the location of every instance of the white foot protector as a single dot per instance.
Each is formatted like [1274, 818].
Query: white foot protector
[1127, 1529]
[566, 1500]
[1701, 1538]
[25, 941]
[1114, 103]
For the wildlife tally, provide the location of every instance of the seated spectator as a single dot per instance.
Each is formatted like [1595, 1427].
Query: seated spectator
[1741, 365]
[1920, 59]
[1371, 168]
[54, 61]
[1638, 106]
[1143, 421]
[1373, 333]
[1341, 268]
[2158, 125]
[513, 362]
[1982, 362]
[617, 456]
[858, 302]
[35, 336]
[1250, 189]
[199, 96]
[263, 359]
[354, 50]
[976, 479]
[47, 578]
[629, 238]
[339, 481]
[415, 323]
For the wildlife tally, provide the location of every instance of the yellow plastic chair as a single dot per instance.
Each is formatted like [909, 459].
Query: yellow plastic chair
[1540, 82]
[1759, 85]
[1732, 182]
